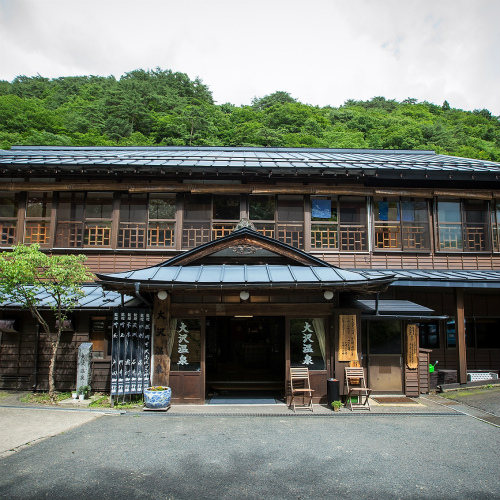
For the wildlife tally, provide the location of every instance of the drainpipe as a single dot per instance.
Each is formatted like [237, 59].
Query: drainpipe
[139, 296]
[35, 375]
[376, 303]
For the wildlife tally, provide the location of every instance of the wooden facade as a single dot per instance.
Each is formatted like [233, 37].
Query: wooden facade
[347, 209]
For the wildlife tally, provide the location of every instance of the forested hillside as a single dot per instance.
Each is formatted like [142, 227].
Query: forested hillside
[161, 107]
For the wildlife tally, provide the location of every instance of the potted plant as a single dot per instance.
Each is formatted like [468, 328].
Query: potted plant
[157, 397]
[83, 392]
[74, 394]
[336, 405]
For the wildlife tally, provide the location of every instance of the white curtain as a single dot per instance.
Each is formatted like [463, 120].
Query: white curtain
[319, 328]
[173, 331]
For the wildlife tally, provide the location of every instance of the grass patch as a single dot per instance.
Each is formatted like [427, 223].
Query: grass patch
[43, 397]
[3, 394]
[101, 400]
[459, 393]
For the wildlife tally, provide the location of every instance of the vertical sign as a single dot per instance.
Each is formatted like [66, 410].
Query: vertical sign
[412, 346]
[348, 334]
[307, 348]
[161, 341]
[130, 350]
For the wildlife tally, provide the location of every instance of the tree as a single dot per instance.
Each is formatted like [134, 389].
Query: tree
[28, 276]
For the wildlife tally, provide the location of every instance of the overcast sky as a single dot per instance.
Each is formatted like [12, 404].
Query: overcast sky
[320, 51]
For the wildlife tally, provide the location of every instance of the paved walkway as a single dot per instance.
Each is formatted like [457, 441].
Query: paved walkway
[29, 423]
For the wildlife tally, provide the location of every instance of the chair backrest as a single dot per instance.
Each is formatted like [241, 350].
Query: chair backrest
[300, 375]
[355, 376]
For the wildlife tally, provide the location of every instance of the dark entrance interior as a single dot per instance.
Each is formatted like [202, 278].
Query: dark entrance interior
[245, 353]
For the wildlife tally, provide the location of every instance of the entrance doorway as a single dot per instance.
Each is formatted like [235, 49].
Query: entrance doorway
[245, 353]
[385, 360]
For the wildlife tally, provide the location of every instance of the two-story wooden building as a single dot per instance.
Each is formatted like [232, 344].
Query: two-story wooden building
[258, 259]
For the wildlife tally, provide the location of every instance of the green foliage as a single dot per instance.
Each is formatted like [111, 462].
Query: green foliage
[161, 107]
[27, 275]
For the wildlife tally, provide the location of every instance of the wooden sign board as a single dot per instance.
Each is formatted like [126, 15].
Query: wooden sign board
[348, 335]
[412, 346]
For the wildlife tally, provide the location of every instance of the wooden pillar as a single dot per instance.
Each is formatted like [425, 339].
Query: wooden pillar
[161, 355]
[460, 337]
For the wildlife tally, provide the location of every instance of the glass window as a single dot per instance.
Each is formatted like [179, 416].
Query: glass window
[290, 208]
[429, 335]
[401, 224]
[352, 228]
[463, 225]
[186, 350]
[261, 207]
[197, 207]
[486, 332]
[384, 337]
[132, 227]
[226, 207]
[307, 343]
[37, 224]
[324, 222]
[161, 224]
[8, 218]
[451, 340]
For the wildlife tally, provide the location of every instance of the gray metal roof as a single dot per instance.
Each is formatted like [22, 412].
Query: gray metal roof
[393, 307]
[95, 298]
[246, 276]
[439, 278]
[224, 159]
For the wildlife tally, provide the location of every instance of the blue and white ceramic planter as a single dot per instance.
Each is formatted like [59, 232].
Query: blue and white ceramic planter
[157, 399]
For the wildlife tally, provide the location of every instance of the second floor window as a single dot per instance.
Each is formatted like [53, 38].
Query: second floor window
[8, 218]
[37, 221]
[401, 224]
[463, 225]
[84, 220]
[339, 223]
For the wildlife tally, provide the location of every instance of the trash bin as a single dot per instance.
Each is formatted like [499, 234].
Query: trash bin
[333, 391]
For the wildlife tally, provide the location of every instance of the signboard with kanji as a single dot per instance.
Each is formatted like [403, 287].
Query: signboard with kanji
[412, 346]
[348, 334]
[130, 350]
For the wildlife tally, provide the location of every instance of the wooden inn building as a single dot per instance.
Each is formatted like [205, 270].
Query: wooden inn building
[244, 262]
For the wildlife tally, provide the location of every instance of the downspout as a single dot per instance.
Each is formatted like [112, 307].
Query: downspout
[35, 375]
[139, 296]
[376, 303]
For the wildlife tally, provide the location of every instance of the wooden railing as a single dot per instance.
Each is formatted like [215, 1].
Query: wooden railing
[37, 232]
[475, 238]
[415, 236]
[387, 236]
[69, 234]
[291, 234]
[161, 234]
[132, 235]
[97, 234]
[353, 238]
[7, 232]
[324, 236]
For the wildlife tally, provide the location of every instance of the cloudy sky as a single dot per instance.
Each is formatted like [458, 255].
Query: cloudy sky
[320, 51]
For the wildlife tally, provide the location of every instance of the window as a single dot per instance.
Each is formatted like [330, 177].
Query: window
[352, 227]
[37, 223]
[495, 219]
[463, 225]
[324, 223]
[84, 219]
[262, 213]
[483, 333]
[401, 224]
[290, 225]
[147, 222]
[429, 335]
[338, 223]
[100, 336]
[206, 218]
[8, 218]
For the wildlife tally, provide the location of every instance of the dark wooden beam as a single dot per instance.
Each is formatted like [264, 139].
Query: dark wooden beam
[460, 337]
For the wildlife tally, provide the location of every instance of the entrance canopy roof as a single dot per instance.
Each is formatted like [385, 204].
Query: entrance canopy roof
[208, 267]
[243, 276]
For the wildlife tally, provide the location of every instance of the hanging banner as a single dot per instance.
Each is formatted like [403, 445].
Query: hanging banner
[348, 334]
[130, 350]
[412, 346]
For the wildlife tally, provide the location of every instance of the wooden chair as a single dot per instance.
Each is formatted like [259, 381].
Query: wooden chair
[356, 388]
[301, 386]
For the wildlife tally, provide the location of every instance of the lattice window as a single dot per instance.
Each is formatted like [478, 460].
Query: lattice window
[37, 225]
[401, 224]
[8, 218]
